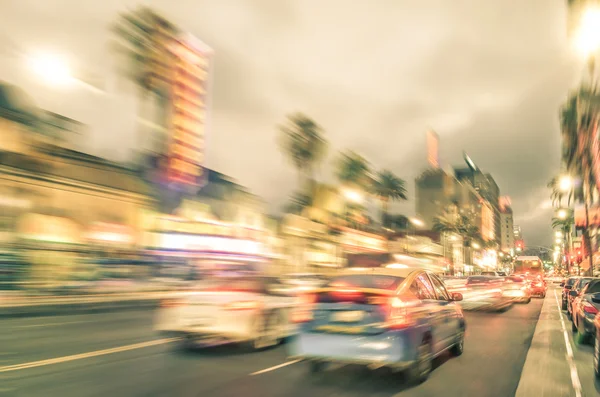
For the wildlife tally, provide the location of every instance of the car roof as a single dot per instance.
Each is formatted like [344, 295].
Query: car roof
[382, 271]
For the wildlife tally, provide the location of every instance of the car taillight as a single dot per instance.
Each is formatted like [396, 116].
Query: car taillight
[589, 308]
[242, 305]
[169, 303]
[302, 313]
[398, 316]
[538, 284]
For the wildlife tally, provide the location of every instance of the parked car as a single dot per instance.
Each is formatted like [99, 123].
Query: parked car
[566, 287]
[584, 310]
[596, 357]
[574, 293]
[396, 318]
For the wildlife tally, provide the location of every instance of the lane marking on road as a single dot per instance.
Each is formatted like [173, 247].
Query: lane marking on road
[59, 360]
[572, 368]
[52, 324]
[262, 371]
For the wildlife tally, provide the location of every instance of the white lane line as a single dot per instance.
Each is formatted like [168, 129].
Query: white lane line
[81, 356]
[572, 368]
[52, 324]
[262, 371]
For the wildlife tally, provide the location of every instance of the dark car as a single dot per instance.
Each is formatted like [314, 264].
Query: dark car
[567, 285]
[596, 359]
[585, 306]
[575, 291]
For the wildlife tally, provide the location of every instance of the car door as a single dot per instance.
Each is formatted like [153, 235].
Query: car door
[433, 310]
[448, 311]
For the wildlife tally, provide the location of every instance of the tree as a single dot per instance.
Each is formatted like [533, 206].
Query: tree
[353, 170]
[303, 143]
[298, 202]
[578, 121]
[461, 225]
[388, 187]
[141, 38]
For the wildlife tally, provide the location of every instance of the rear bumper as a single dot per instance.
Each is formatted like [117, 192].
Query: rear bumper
[389, 349]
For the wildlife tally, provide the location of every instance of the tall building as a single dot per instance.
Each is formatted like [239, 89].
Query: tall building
[517, 232]
[487, 188]
[507, 237]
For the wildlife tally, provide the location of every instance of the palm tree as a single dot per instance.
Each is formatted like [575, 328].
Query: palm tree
[298, 202]
[578, 119]
[303, 142]
[388, 187]
[353, 170]
[141, 40]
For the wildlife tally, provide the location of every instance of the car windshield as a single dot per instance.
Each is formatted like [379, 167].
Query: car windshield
[582, 283]
[593, 288]
[571, 281]
[373, 281]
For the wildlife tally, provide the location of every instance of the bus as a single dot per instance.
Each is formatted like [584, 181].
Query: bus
[530, 265]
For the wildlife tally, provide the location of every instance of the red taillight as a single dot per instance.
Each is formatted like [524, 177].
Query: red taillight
[302, 313]
[242, 305]
[398, 317]
[589, 308]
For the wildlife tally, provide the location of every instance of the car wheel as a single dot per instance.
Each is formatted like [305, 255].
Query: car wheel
[544, 295]
[564, 305]
[528, 300]
[573, 325]
[597, 357]
[420, 370]
[459, 346]
[315, 367]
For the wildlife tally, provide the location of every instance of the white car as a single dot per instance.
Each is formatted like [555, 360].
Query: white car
[240, 309]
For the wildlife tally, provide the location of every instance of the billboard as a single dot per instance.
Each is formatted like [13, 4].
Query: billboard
[188, 114]
[433, 149]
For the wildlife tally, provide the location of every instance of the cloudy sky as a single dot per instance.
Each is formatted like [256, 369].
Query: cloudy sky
[488, 76]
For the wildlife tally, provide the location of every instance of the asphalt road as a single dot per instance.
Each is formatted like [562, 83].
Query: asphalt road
[119, 355]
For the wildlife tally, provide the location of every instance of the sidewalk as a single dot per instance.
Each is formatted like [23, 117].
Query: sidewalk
[549, 370]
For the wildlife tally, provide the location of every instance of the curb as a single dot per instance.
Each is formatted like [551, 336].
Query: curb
[80, 305]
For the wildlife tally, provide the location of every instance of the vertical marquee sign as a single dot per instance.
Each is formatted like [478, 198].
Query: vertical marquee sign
[189, 114]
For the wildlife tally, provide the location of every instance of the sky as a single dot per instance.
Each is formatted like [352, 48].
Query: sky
[488, 77]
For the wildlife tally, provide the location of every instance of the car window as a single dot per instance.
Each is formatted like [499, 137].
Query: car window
[421, 289]
[592, 287]
[440, 290]
[582, 283]
[572, 281]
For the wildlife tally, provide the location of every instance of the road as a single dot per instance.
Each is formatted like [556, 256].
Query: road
[118, 354]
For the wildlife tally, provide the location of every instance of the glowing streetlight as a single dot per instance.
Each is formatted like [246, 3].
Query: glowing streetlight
[587, 39]
[565, 183]
[562, 214]
[558, 241]
[558, 234]
[353, 195]
[417, 222]
[51, 68]
[501, 254]
[476, 246]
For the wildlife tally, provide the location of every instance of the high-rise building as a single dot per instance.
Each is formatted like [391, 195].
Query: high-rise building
[487, 188]
[507, 237]
[517, 232]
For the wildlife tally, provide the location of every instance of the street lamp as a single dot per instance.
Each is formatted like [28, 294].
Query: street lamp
[562, 213]
[558, 234]
[587, 38]
[51, 68]
[565, 183]
[353, 195]
[476, 246]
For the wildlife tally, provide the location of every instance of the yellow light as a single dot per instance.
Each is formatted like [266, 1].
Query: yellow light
[353, 195]
[476, 246]
[558, 234]
[565, 183]
[51, 68]
[562, 214]
[587, 39]
[417, 222]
